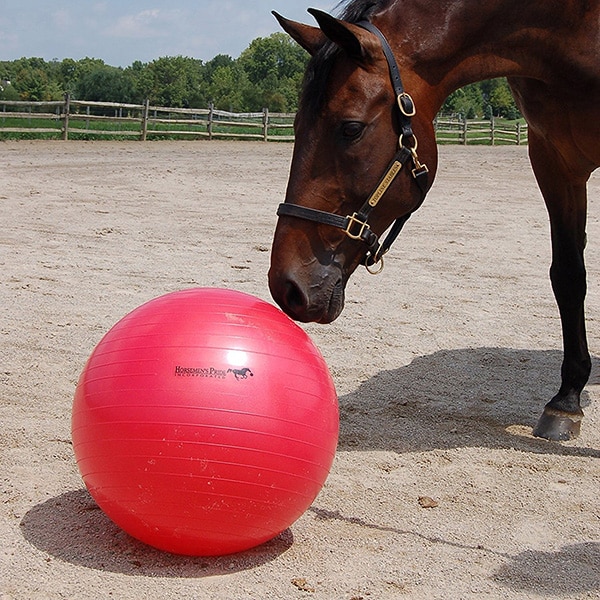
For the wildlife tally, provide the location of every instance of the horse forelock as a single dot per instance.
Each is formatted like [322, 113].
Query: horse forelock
[320, 65]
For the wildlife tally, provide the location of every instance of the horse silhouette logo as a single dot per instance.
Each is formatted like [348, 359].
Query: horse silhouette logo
[241, 373]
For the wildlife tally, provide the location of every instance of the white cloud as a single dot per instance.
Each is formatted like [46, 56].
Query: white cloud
[145, 24]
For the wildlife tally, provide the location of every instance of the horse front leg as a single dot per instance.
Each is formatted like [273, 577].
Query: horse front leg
[566, 199]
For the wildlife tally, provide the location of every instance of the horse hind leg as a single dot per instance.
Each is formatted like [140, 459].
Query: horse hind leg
[565, 196]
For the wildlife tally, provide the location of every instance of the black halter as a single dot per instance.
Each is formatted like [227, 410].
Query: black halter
[356, 225]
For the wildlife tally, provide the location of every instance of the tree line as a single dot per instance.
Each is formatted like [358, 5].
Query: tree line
[267, 74]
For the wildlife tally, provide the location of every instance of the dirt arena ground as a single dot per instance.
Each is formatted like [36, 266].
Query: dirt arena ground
[442, 365]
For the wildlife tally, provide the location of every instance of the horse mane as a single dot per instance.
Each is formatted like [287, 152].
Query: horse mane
[319, 67]
[358, 10]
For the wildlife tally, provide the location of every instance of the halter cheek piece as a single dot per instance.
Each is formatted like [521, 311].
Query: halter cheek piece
[356, 225]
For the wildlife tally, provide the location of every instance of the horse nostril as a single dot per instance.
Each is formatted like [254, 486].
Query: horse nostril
[295, 301]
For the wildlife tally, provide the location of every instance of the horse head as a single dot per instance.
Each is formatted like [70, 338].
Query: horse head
[344, 192]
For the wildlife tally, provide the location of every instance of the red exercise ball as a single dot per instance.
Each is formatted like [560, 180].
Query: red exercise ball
[205, 422]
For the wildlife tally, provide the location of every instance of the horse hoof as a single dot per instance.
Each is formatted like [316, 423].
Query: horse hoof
[557, 425]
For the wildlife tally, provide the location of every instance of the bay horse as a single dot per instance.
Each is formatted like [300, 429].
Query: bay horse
[365, 151]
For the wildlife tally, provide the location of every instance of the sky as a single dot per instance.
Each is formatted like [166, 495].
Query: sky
[123, 31]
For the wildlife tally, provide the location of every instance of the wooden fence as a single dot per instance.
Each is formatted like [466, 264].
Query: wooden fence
[495, 131]
[76, 119]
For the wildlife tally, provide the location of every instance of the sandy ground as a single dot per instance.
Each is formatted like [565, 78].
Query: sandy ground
[442, 365]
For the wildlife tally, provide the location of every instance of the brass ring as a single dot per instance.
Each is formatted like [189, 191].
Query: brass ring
[379, 264]
[414, 148]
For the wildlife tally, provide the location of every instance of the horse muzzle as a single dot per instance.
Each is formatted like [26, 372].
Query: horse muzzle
[311, 295]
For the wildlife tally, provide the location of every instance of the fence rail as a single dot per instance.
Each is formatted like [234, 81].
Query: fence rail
[495, 131]
[77, 119]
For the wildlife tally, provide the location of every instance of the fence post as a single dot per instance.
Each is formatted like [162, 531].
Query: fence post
[518, 133]
[66, 116]
[464, 132]
[492, 130]
[145, 112]
[211, 108]
[266, 124]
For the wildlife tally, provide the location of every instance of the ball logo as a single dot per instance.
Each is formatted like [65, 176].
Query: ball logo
[212, 372]
[241, 373]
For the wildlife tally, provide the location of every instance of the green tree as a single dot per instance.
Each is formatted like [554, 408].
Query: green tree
[275, 65]
[105, 84]
[8, 92]
[276, 56]
[467, 102]
[32, 82]
[500, 102]
[220, 60]
[228, 87]
[268, 74]
[73, 73]
[486, 98]
[173, 81]
[135, 74]
[67, 74]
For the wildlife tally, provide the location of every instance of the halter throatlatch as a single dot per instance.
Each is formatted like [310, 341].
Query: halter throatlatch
[356, 226]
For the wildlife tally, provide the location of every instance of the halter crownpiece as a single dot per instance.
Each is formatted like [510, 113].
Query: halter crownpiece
[356, 225]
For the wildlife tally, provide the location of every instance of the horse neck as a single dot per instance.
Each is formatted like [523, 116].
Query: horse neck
[450, 44]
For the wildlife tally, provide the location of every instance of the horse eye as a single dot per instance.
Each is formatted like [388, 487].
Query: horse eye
[352, 130]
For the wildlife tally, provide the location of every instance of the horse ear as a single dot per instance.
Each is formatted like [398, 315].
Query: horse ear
[310, 38]
[354, 40]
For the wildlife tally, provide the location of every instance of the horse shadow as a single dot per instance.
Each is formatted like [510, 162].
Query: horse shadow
[571, 570]
[489, 397]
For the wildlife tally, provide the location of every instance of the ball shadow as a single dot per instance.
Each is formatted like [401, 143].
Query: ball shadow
[490, 397]
[72, 528]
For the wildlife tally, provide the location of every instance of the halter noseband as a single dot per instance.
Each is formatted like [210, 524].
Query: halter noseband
[356, 225]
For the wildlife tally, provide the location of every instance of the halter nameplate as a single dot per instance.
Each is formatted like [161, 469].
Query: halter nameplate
[382, 188]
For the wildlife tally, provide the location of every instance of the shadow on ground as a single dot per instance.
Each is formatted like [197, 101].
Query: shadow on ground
[482, 397]
[72, 528]
[574, 569]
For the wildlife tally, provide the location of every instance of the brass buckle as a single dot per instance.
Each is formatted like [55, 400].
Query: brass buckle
[354, 221]
[406, 113]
